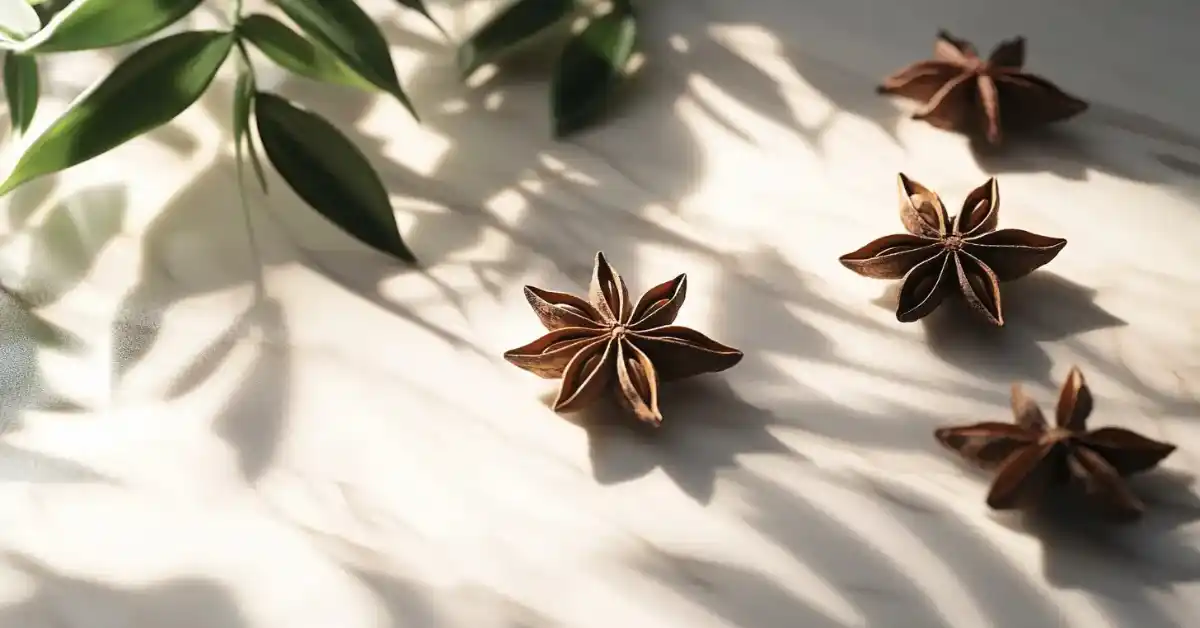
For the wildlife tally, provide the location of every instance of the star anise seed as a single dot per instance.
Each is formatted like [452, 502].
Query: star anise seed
[963, 92]
[941, 255]
[609, 343]
[1030, 457]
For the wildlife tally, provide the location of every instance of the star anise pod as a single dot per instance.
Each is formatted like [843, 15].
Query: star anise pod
[609, 343]
[1031, 457]
[941, 255]
[963, 92]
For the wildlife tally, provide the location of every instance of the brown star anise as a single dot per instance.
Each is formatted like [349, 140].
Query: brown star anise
[963, 92]
[607, 342]
[1031, 457]
[940, 255]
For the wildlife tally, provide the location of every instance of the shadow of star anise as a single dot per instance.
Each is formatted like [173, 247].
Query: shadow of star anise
[607, 342]
[963, 92]
[1031, 457]
[941, 255]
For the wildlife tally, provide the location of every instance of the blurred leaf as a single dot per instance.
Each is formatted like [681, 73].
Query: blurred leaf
[64, 247]
[509, 28]
[350, 34]
[292, 51]
[47, 9]
[592, 64]
[21, 88]
[243, 103]
[419, 7]
[146, 90]
[91, 24]
[243, 96]
[18, 20]
[328, 172]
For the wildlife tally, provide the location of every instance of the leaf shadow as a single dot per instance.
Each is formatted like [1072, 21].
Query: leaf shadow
[738, 595]
[23, 202]
[254, 418]
[21, 384]
[853, 566]
[67, 243]
[1004, 593]
[884, 566]
[21, 465]
[58, 253]
[408, 603]
[59, 600]
[848, 91]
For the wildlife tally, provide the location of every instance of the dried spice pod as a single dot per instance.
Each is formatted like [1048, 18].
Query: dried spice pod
[963, 92]
[942, 255]
[1030, 457]
[609, 343]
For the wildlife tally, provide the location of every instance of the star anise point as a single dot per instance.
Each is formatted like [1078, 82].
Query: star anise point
[1031, 457]
[983, 97]
[610, 343]
[943, 255]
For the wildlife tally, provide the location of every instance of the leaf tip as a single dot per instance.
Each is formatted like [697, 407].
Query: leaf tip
[408, 257]
[9, 184]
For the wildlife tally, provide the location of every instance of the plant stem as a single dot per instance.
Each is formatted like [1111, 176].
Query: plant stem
[244, 54]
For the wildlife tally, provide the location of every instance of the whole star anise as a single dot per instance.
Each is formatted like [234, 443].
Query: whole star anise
[607, 342]
[963, 92]
[1031, 457]
[941, 255]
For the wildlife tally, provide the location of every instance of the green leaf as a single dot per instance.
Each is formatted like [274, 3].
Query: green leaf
[243, 100]
[21, 87]
[146, 90]
[328, 172]
[18, 20]
[293, 52]
[346, 31]
[243, 103]
[91, 24]
[419, 7]
[592, 64]
[507, 29]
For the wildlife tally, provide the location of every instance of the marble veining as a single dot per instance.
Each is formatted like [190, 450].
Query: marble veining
[207, 429]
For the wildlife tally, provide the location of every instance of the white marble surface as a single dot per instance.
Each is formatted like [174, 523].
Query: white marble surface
[204, 434]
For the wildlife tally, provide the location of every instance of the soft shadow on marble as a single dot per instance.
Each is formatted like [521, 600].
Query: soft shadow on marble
[240, 428]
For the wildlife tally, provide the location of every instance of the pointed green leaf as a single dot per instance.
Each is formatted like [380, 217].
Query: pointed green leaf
[419, 7]
[293, 52]
[146, 90]
[328, 172]
[243, 102]
[21, 87]
[243, 97]
[91, 24]
[18, 20]
[350, 34]
[592, 64]
[508, 29]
